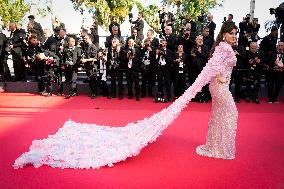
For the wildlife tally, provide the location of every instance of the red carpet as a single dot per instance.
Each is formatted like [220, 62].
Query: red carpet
[170, 162]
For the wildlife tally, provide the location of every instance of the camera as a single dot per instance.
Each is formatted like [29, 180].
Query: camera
[162, 52]
[130, 53]
[101, 52]
[195, 49]
[186, 35]
[130, 15]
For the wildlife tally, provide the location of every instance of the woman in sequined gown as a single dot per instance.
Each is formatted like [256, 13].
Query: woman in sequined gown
[81, 145]
[220, 140]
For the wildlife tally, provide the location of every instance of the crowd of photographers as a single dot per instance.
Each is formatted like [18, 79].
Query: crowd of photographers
[172, 61]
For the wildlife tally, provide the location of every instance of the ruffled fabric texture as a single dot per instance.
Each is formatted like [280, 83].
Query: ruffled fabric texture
[82, 145]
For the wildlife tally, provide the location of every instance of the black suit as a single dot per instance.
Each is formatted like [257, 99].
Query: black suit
[274, 76]
[164, 65]
[16, 39]
[35, 65]
[208, 41]
[114, 24]
[4, 69]
[212, 26]
[180, 67]
[139, 26]
[71, 59]
[50, 44]
[240, 71]
[133, 67]
[109, 39]
[116, 67]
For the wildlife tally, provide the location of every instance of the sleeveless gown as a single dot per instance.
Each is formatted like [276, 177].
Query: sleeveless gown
[81, 145]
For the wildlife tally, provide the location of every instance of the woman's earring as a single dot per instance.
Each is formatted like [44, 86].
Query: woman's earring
[223, 38]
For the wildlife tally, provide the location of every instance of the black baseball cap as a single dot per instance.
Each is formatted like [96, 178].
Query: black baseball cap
[31, 17]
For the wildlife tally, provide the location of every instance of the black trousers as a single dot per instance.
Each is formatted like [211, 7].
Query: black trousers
[39, 72]
[52, 76]
[71, 77]
[96, 83]
[132, 76]
[148, 81]
[274, 84]
[116, 75]
[179, 83]
[253, 84]
[163, 74]
[238, 76]
[19, 67]
[4, 69]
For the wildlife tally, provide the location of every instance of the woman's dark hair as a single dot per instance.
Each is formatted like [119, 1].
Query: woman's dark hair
[227, 27]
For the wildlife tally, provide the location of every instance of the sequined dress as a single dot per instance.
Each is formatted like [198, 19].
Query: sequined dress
[82, 145]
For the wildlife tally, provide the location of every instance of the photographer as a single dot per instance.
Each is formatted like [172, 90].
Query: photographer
[15, 46]
[154, 42]
[211, 25]
[114, 23]
[62, 43]
[133, 61]
[37, 67]
[256, 67]
[279, 15]
[114, 34]
[51, 64]
[164, 60]
[180, 67]
[71, 59]
[81, 40]
[35, 26]
[268, 43]
[116, 67]
[275, 73]
[147, 68]
[57, 25]
[193, 27]
[138, 25]
[137, 39]
[49, 41]
[240, 71]
[4, 69]
[166, 19]
[198, 59]
[186, 40]
[89, 63]
[247, 38]
[245, 25]
[208, 40]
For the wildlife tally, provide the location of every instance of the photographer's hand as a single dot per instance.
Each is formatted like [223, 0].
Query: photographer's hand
[199, 49]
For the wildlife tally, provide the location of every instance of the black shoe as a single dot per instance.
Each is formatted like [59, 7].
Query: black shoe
[120, 97]
[137, 98]
[41, 92]
[248, 100]
[168, 99]
[256, 101]
[130, 96]
[237, 100]
[48, 95]
[72, 94]
[59, 94]
[93, 96]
